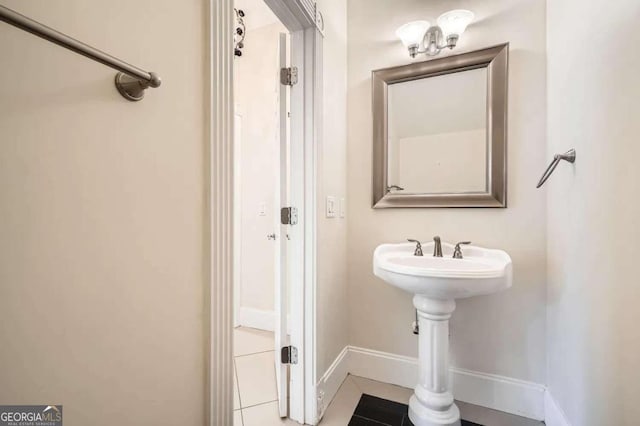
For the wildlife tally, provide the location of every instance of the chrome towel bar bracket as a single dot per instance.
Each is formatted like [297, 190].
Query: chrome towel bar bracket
[131, 81]
[569, 156]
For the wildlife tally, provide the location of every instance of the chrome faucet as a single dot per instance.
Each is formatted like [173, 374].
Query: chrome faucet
[457, 251]
[437, 247]
[418, 251]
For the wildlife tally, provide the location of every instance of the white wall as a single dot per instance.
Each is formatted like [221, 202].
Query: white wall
[593, 209]
[256, 84]
[503, 333]
[331, 285]
[103, 215]
[257, 14]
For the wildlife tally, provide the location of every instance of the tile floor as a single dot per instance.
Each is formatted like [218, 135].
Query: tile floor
[372, 410]
[344, 404]
[255, 398]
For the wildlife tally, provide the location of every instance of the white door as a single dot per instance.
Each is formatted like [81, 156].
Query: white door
[282, 238]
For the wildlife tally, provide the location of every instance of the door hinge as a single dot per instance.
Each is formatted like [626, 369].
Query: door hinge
[289, 355]
[289, 76]
[289, 216]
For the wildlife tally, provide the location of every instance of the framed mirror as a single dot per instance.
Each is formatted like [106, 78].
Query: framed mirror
[440, 132]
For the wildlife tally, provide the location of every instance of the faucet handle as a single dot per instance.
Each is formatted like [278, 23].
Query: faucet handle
[418, 251]
[457, 251]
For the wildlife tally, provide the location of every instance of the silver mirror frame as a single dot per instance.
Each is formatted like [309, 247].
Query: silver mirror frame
[496, 60]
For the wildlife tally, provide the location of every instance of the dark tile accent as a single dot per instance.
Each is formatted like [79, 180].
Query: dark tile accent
[373, 411]
[381, 410]
[362, 421]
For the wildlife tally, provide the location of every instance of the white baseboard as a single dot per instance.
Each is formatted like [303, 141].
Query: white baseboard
[501, 393]
[330, 382]
[383, 367]
[554, 416]
[257, 318]
[506, 394]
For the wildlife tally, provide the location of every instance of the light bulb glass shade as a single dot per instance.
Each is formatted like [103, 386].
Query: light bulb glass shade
[455, 22]
[412, 33]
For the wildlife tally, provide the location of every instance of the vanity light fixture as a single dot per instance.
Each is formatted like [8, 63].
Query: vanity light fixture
[422, 37]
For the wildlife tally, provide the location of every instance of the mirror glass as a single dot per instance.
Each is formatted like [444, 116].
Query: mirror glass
[437, 134]
[440, 132]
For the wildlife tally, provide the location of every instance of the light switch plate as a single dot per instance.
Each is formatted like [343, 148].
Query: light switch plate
[343, 207]
[331, 206]
[262, 209]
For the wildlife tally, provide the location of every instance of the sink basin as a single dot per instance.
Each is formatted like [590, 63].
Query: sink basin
[436, 282]
[481, 271]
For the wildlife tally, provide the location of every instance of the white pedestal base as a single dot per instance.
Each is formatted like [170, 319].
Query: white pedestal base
[432, 401]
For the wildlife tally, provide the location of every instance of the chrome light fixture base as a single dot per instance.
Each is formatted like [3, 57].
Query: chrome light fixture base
[452, 40]
[434, 43]
[433, 39]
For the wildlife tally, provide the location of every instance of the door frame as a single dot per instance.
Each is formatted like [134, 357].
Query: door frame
[237, 222]
[306, 45]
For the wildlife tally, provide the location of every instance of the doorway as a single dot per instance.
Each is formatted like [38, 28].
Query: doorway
[300, 18]
[262, 214]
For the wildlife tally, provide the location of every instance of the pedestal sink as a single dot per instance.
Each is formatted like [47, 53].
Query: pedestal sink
[436, 282]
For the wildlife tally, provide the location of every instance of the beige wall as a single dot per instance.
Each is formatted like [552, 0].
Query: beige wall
[102, 216]
[331, 285]
[256, 98]
[593, 210]
[503, 333]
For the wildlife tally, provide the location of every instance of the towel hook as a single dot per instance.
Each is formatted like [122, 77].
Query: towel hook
[569, 156]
